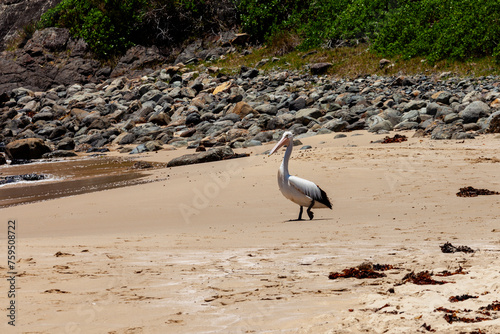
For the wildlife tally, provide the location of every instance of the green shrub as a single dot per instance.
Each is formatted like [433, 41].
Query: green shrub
[438, 29]
[108, 26]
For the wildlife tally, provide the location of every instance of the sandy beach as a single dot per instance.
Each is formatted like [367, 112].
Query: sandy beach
[210, 248]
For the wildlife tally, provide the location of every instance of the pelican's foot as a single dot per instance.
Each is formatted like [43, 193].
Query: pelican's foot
[310, 214]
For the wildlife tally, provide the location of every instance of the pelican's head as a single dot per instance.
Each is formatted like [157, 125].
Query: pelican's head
[287, 139]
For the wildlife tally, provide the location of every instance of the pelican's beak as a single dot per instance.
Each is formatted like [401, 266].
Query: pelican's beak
[282, 142]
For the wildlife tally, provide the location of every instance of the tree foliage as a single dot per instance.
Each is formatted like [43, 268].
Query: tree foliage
[435, 29]
[108, 26]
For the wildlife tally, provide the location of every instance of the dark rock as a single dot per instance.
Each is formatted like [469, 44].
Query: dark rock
[51, 39]
[444, 131]
[250, 74]
[216, 154]
[26, 149]
[59, 154]
[193, 119]
[493, 123]
[336, 125]
[319, 68]
[297, 104]
[474, 111]
[67, 144]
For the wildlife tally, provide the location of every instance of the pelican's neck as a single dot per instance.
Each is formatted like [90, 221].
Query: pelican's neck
[284, 164]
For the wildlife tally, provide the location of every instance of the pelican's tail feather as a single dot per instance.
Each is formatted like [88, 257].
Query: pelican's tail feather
[324, 198]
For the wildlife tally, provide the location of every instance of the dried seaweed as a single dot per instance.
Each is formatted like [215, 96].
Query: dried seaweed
[357, 273]
[382, 267]
[451, 316]
[456, 299]
[428, 328]
[473, 192]
[449, 248]
[495, 306]
[422, 278]
[446, 273]
[396, 139]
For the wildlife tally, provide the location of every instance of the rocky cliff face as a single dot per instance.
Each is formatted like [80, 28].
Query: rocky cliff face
[16, 14]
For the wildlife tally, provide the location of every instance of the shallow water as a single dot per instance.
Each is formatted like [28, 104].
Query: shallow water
[70, 177]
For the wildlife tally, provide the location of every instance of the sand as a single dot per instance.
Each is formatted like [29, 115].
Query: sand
[210, 248]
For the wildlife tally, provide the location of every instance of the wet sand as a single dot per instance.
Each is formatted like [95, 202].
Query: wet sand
[210, 248]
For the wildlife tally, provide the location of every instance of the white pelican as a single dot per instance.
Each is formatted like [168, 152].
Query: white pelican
[297, 190]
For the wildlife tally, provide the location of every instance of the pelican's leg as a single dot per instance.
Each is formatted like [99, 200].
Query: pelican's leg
[309, 212]
[300, 213]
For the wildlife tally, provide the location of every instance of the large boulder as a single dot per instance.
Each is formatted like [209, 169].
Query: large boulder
[216, 154]
[475, 111]
[26, 149]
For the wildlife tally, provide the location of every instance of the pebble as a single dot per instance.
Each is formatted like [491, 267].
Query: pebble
[245, 110]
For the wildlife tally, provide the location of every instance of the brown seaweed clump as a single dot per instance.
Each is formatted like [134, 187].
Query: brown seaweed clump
[364, 270]
[473, 192]
[422, 278]
[445, 273]
[396, 139]
[449, 248]
[460, 298]
[495, 306]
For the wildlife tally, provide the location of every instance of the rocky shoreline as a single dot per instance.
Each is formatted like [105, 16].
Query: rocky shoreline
[176, 106]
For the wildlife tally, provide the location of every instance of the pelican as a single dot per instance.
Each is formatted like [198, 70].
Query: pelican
[300, 191]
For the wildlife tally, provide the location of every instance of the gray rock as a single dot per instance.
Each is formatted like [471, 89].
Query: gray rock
[450, 118]
[411, 116]
[297, 104]
[384, 125]
[59, 154]
[215, 154]
[307, 114]
[474, 111]
[414, 105]
[267, 108]
[406, 125]
[492, 124]
[336, 125]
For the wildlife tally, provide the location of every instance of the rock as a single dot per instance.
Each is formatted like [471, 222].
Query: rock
[51, 39]
[297, 104]
[153, 145]
[385, 125]
[26, 149]
[267, 108]
[442, 97]
[493, 123]
[306, 114]
[383, 62]
[215, 154]
[193, 119]
[450, 118]
[444, 131]
[250, 74]
[242, 109]
[59, 154]
[414, 105]
[67, 144]
[474, 111]
[336, 125]
[319, 68]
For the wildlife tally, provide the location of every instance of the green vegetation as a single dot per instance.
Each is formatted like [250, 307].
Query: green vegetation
[433, 29]
[109, 27]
